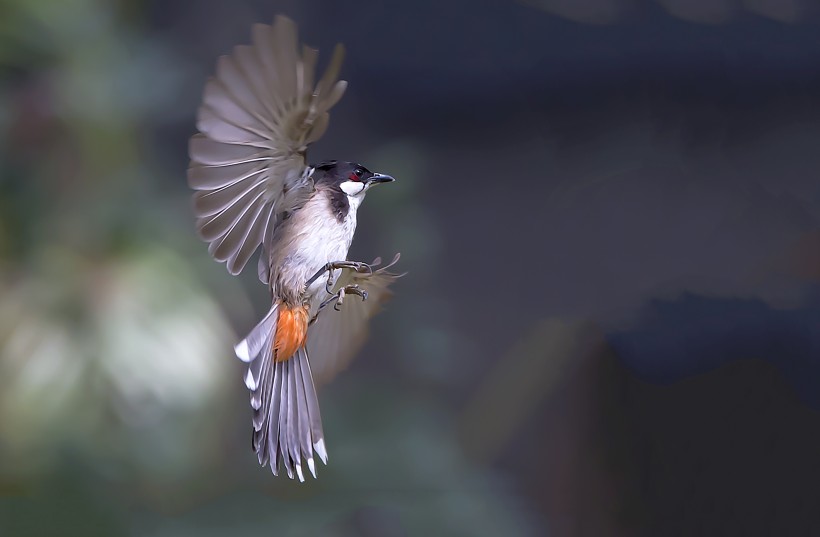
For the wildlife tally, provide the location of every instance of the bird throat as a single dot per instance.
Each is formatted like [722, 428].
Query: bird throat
[291, 331]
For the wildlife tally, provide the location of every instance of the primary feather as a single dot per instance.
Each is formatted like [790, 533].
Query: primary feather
[258, 116]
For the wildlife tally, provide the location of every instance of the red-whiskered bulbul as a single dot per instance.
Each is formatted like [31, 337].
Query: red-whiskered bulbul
[259, 114]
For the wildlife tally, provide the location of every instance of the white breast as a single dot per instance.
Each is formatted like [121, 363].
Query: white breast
[307, 241]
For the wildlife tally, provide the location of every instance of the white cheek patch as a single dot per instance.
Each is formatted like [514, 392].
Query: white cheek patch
[352, 188]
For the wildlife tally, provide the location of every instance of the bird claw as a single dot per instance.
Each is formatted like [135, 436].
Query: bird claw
[358, 266]
[349, 289]
[356, 290]
[339, 297]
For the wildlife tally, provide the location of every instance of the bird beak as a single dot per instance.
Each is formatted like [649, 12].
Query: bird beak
[379, 178]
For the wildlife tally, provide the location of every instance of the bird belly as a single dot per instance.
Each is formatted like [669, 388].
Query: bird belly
[313, 239]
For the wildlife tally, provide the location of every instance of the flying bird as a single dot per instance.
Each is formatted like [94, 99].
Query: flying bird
[259, 114]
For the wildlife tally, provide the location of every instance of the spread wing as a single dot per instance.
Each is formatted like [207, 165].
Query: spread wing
[336, 336]
[258, 115]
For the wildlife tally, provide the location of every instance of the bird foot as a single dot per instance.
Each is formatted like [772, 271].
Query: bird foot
[358, 266]
[339, 297]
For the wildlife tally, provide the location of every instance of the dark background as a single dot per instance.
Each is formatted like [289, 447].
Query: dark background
[610, 215]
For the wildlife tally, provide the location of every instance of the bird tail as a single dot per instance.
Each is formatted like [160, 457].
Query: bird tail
[287, 425]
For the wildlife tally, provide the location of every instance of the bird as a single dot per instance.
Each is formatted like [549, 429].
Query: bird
[254, 188]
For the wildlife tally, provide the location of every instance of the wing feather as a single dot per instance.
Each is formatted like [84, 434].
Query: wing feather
[233, 241]
[336, 336]
[232, 77]
[212, 153]
[306, 69]
[225, 107]
[245, 250]
[212, 202]
[207, 178]
[214, 228]
[229, 129]
[258, 115]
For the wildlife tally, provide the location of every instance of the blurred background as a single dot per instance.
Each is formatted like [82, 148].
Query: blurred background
[610, 215]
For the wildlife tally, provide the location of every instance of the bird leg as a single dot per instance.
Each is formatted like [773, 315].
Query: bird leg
[358, 266]
[339, 297]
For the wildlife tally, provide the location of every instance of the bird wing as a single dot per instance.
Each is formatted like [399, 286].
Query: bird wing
[258, 115]
[336, 336]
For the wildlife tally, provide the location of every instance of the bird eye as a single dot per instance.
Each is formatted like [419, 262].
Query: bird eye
[356, 175]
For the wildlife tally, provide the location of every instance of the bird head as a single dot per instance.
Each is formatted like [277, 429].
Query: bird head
[353, 179]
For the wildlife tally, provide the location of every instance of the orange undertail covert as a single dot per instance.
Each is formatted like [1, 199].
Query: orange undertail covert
[291, 331]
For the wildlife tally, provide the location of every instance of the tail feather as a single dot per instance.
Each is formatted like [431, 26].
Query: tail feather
[287, 425]
[260, 398]
[248, 349]
[297, 404]
[261, 414]
[271, 450]
[305, 417]
[284, 420]
[313, 414]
